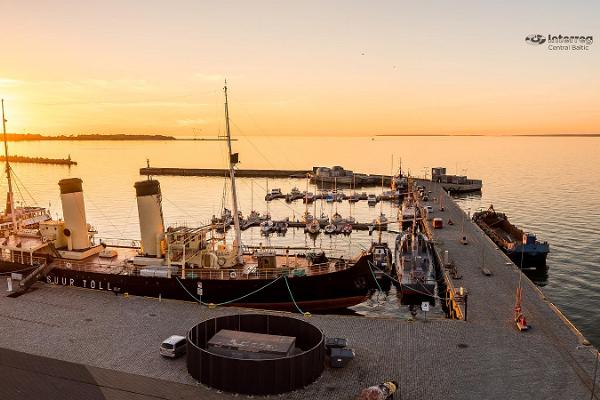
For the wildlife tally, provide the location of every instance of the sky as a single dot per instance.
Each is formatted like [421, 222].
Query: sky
[341, 67]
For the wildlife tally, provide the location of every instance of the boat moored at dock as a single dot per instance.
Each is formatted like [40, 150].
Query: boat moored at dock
[521, 247]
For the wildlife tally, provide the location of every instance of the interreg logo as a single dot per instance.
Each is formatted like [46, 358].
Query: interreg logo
[535, 39]
[561, 42]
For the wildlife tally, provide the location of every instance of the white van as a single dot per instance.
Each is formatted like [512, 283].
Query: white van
[173, 346]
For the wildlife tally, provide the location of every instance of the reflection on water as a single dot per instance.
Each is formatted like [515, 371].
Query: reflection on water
[549, 186]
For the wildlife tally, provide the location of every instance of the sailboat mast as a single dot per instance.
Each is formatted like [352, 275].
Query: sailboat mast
[11, 199]
[233, 160]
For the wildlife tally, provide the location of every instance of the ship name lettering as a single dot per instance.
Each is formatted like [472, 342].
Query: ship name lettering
[71, 282]
[84, 283]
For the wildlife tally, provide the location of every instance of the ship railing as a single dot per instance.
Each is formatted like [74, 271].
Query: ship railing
[22, 258]
[253, 272]
[119, 242]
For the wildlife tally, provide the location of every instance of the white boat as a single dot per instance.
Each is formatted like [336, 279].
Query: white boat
[266, 227]
[330, 229]
[372, 200]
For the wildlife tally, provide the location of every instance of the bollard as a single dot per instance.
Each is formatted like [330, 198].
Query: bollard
[9, 284]
[446, 257]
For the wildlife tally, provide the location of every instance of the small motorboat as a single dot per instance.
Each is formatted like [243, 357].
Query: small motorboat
[381, 220]
[313, 228]
[354, 198]
[330, 229]
[329, 197]
[308, 198]
[266, 227]
[274, 194]
[307, 217]
[281, 227]
[372, 200]
[295, 194]
[323, 219]
[336, 219]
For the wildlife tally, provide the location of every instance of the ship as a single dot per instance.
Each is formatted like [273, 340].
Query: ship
[415, 268]
[521, 247]
[180, 262]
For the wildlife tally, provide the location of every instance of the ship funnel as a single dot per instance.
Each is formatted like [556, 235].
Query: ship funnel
[76, 228]
[152, 226]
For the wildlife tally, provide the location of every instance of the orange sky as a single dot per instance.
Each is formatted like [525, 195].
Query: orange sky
[306, 68]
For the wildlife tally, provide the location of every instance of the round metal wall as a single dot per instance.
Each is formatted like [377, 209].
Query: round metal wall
[256, 377]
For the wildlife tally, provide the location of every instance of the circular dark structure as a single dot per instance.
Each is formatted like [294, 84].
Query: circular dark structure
[256, 376]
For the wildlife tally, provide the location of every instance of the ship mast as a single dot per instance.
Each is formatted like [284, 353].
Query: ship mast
[233, 160]
[11, 199]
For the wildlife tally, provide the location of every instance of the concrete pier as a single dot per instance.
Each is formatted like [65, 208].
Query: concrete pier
[99, 345]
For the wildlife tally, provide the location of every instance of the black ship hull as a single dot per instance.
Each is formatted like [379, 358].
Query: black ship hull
[529, 260]
[328, 291]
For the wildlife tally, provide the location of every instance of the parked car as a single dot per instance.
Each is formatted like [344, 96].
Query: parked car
[173, 347]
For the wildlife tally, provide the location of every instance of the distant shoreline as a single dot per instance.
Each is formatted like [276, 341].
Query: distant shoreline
[27, 137]
[480, 135]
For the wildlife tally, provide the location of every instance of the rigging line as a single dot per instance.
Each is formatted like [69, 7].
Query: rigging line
[260, 153]
[268, 137]
[88, 198]
[185, 213]
[229, 301]
[292, 295]
[18, 181]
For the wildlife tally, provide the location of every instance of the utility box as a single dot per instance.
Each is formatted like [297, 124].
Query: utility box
[335, 343]
[250, 345]
[340, 357]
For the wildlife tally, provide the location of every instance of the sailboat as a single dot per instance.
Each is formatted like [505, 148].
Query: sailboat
[23, 219]
[188, 263]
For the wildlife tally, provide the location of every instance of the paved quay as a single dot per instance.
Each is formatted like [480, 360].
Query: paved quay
[113, 342]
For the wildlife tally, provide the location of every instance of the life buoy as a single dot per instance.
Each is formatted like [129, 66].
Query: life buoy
[221, 261]
[232, 275]
[68, 265]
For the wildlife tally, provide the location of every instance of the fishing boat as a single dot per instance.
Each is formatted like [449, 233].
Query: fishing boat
[521, 247]
[408, 213]
[180, 262]
[313, 227]
[382, 264]
[415, 267]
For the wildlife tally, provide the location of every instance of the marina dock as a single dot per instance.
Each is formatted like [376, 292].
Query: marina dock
[480, 354]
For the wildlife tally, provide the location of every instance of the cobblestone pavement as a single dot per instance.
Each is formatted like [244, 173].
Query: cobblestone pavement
[483, 358]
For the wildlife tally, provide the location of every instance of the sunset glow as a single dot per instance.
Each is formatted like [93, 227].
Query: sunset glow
[340, 68]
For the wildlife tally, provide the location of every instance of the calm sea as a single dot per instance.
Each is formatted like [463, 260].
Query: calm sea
[550, 186]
